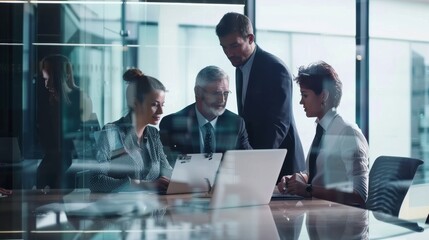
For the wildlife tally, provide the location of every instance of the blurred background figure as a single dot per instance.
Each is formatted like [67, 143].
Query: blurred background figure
[186, 131]
[130, 152]
[60, 116]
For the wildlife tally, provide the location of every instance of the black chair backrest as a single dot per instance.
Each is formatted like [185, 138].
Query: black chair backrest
[389, 180]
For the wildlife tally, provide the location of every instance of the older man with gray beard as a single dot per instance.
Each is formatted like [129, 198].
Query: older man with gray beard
[204, 126]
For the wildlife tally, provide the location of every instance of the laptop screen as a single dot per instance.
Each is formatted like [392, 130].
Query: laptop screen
[194, 173]
[247, 177]
[416, 203]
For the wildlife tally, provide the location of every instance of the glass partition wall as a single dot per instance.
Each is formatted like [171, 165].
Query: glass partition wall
[172, 42]
[102, 39]
[301, 33]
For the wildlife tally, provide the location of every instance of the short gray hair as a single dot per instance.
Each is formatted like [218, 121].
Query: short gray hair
[210, 74]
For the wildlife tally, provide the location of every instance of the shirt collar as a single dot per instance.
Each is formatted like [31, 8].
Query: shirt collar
[327, 118]
[246, 67]
[202, 120]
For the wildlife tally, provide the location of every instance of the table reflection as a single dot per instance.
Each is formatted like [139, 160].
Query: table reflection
[82, 215]
[337, 222]
[289, 217]
[319, 220]
[146, 216]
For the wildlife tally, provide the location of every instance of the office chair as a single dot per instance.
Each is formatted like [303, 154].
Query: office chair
[389, 180]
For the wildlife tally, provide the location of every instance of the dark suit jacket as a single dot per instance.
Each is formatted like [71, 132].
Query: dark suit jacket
[180, 133]
[268, 113]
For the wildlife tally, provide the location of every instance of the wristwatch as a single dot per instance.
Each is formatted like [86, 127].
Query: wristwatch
[309, 189]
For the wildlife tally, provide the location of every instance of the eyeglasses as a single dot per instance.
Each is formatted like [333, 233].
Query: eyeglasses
[224, 94]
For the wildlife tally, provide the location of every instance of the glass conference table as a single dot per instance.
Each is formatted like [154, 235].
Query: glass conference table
[33, 214]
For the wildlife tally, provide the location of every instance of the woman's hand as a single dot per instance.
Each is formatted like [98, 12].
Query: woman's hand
[162, 183]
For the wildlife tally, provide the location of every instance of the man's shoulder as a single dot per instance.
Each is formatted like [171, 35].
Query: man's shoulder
[228, 113]
[178, 121]
[187, 111]
[269, 66]
[230, 116]
[267, 57]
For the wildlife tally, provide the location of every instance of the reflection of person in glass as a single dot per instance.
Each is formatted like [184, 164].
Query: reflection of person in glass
[289, 218]
[332, 223]
[61, 114]
[338, 166]
[143, 165]
[183, 132]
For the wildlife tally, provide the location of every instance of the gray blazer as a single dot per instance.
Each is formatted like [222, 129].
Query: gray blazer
[145, 161]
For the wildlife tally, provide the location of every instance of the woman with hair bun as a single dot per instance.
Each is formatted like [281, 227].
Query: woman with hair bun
[142, 164]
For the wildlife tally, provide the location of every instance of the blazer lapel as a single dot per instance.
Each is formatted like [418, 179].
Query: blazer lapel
[194, 130]
[250, 81]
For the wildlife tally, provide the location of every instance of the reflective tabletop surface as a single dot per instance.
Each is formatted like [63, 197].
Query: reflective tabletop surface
[33, 214]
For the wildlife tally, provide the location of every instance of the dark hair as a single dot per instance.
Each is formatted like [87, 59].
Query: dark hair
[143, 84]
[321, 76]
[59, 69]
[132, 75]
[233, 22]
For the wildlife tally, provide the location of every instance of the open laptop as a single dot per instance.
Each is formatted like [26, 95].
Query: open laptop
[194, 173]
[415, 205]
[245, 178]
[9, 150]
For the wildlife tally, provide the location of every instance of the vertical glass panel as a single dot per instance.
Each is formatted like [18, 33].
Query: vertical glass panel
[163, 40]
[102, 39]
[398, 90]
[398, 77]
[300, 33]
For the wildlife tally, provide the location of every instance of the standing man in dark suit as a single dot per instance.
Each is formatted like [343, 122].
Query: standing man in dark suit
[185, 131]
[264, 91]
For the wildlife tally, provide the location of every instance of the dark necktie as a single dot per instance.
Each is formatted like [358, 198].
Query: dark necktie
[314, 152]
[208, 138]
[239, 89]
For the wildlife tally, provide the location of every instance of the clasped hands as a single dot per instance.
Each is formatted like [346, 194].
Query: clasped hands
[294, 184]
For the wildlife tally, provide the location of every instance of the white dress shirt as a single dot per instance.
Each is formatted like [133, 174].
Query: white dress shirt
[342, 162]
